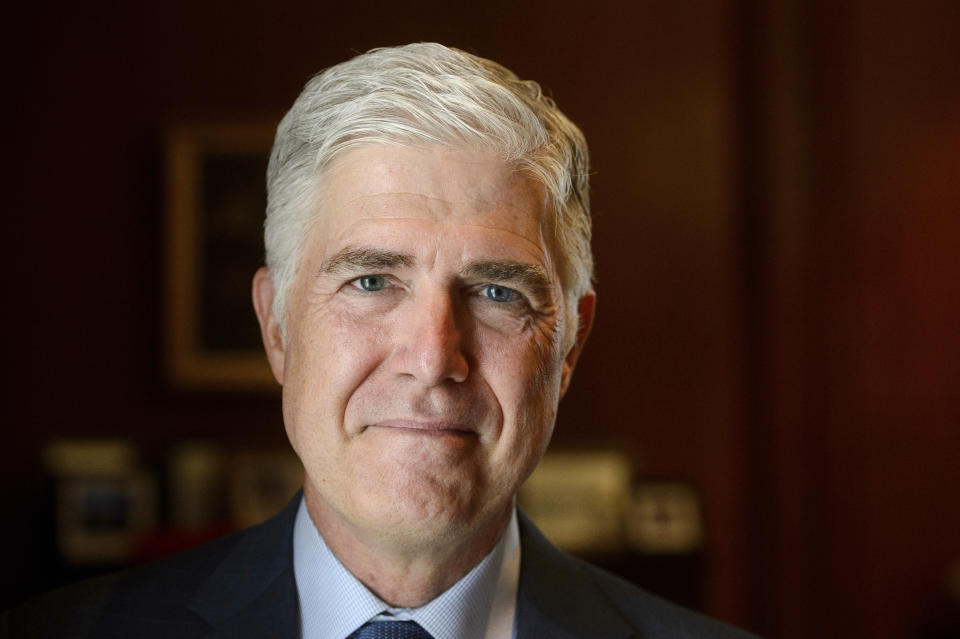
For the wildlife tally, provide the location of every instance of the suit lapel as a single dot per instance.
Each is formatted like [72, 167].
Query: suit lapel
[558, 598]
[253, 593]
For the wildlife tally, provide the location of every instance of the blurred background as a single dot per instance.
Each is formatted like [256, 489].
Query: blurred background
[777, 229]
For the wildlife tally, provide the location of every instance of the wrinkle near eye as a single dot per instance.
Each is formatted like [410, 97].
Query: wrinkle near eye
[513, 317]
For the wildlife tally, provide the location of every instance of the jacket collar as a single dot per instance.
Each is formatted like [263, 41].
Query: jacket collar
[558, 597]
[252, 592]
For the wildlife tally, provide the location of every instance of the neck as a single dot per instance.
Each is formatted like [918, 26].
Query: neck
[405, 572]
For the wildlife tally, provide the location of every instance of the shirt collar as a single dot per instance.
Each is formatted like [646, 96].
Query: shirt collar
[333, 603]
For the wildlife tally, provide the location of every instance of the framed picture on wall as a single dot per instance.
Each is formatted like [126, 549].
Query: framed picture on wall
[105, 501]
[215, 202]
[578, 499]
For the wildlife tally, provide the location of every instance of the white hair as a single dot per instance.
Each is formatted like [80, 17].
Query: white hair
[425, 94]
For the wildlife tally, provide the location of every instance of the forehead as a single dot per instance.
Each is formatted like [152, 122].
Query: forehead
[386, 186]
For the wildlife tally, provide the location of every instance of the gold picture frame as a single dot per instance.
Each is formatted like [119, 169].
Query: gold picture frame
[215, 201]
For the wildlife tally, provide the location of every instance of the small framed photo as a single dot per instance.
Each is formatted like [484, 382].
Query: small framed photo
[104, 500]
[215, 203]
[665, 518]
[100, 519]
[578, 499]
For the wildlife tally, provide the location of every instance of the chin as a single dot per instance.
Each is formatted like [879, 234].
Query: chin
[423, 510]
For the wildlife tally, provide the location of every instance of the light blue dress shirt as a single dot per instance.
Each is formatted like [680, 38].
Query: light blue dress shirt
[333, 603]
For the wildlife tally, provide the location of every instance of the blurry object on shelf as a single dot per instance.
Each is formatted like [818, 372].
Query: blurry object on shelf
[197, 484]
[216, 198]
[261, 484]
[104, 500]
[664, 517]
[953, 582]
[943, 618]
[578, 499]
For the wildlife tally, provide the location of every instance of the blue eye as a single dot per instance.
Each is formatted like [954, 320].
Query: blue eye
[371, 282]
[499, 293]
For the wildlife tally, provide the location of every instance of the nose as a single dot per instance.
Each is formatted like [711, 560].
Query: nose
[431, 343]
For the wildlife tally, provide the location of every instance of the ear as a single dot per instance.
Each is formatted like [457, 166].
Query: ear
[585, 312]
[269, 326]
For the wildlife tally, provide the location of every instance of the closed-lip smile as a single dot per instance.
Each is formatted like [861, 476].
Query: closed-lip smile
[425, 427]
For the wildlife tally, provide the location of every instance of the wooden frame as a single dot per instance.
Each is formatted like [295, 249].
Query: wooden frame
[216, 196]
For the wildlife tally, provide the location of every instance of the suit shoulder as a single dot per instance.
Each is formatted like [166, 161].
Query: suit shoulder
[561, 595]
[167, 598]
[656, 616]
[156, 592]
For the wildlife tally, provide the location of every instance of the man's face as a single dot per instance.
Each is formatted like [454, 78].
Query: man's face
[425, 352]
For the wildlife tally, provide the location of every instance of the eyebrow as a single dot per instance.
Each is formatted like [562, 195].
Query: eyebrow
[350, 259]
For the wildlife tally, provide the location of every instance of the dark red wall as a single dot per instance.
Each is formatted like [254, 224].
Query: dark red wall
[857, 163]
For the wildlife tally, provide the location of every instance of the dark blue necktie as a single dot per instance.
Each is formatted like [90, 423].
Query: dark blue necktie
[390, 630]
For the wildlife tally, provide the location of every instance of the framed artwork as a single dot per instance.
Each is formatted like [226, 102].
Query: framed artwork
[215, 198]
[665, 517]
[104, 499]
[578, 499]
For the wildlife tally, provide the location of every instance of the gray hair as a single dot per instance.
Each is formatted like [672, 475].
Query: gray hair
[425, 94]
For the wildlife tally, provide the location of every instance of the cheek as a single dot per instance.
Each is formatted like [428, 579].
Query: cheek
[526, 380]
[329, 357]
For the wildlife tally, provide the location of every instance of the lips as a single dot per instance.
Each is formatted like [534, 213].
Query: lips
[425, 427]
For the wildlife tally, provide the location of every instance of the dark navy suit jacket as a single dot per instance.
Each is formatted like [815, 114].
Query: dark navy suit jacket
[242, 586]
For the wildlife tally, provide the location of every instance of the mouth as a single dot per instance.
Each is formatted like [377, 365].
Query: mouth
[424, 428]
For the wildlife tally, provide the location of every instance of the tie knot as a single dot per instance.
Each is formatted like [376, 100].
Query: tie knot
[390, 630]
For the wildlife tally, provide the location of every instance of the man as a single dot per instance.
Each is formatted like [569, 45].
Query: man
[426, 296]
